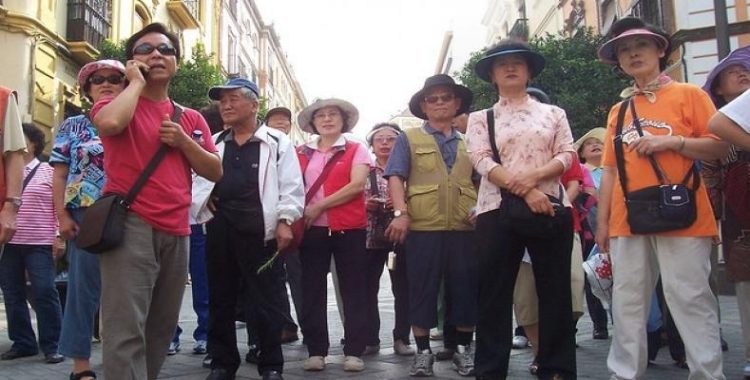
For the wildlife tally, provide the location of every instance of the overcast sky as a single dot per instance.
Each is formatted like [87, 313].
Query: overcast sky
[375, 54]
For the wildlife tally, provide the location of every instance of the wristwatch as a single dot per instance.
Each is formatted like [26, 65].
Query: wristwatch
[397, 213]
[287, 221]
[17, 202]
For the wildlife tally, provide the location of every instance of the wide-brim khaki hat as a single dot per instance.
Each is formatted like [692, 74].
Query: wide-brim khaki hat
[306, 116]
[597, 133]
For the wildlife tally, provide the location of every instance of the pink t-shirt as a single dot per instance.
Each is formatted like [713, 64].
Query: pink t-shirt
[315, 168]
[36, 221]
[165, 199]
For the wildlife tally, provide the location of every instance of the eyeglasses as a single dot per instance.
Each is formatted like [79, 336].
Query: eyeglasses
[445, 98]
[331, 115]
[99, 79]
[384, 139]
[163, 49]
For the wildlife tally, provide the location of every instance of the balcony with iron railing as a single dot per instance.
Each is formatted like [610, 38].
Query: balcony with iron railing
[649, 11]
[520, 29]
[185, 12]
[88, 25]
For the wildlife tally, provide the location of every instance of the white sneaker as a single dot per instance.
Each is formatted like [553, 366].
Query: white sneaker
[463, 360]
[436, 334]
[403, 349]
[520, 341]
[314, 363]
[746, 371]
[353, 364]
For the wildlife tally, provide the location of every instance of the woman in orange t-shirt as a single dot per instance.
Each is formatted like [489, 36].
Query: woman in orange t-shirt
[673, 118]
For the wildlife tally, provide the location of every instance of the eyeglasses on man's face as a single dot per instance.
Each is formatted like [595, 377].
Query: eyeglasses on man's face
[445, 98]
[113, 79]
[384, 139]
[163, 49]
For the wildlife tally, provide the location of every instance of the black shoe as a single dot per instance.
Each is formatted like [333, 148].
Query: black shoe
[15, 354]
[272, 375]
[289, 336]
[207, 361]
[53, 358]
[445, 354]
[220, 374]
[253, 355]
[601, 334]
[81, 375]
[724, 345]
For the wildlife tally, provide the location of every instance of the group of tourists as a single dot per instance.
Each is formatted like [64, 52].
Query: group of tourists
[482, 216]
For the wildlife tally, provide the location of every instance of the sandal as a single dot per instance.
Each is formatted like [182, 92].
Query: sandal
[84, 375]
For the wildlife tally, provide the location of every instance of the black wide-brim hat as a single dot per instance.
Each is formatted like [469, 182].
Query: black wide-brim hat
[535, 61]
[460, 91]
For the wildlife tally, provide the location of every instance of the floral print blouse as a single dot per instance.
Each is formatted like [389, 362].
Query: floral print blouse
[77, 145]
[528, 134]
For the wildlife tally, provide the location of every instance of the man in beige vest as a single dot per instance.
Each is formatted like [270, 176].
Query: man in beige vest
[430, 178]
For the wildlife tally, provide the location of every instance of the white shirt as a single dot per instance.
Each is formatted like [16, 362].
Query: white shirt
[738, 110]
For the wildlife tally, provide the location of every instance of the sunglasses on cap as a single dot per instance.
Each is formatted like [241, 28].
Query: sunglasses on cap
[113, 79]
[445, 98]
[164, 49]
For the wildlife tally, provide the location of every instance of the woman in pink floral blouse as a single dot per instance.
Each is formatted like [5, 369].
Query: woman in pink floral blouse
[521, 205]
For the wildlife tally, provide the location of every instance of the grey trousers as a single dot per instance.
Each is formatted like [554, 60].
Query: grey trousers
[143, 281]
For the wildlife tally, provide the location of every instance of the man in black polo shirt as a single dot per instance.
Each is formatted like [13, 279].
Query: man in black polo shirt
[254, 205]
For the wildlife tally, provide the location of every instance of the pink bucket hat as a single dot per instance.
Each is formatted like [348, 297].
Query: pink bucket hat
[607, 51]
[95, 66]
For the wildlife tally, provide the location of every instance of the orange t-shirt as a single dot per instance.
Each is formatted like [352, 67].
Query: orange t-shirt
[681, 110]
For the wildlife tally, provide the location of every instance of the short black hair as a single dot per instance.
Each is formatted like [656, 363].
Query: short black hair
[35, 136]
[155, 27]
[627, 23]
[213, 117]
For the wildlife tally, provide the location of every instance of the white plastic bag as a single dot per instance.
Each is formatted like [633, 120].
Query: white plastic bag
[598, 270]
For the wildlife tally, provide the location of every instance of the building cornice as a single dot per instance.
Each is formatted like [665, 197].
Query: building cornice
[706, 33]
[16, 22]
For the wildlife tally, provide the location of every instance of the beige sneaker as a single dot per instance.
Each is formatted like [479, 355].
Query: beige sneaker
[353, 364]
[314, 363]
[402, 348]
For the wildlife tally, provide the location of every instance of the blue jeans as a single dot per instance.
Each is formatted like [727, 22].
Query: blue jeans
[199, 283]
[84, 291]
[38, 262]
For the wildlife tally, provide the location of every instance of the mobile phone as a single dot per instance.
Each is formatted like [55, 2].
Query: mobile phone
[144, 72]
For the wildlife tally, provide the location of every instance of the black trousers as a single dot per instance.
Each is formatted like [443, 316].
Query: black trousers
[376, 259]
[232, 262]
[348, 249]
[596, 311]
[501, 249]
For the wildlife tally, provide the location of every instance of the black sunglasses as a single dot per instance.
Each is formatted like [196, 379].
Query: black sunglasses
[114, 79]
[163, 49]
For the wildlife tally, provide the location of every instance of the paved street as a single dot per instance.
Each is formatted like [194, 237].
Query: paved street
[186, 366]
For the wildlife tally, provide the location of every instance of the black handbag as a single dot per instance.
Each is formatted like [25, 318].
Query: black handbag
[660, 208]
[516, 212]
[103, 222]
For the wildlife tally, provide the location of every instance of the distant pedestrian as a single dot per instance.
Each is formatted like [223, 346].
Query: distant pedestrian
[430, 181]
[653, 139]
[78, 159]
[336, 222]
[144, 278]
[30, 254]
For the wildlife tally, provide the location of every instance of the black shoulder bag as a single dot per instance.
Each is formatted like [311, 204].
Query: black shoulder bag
[103, 222]
[654, 209]
[516, 211]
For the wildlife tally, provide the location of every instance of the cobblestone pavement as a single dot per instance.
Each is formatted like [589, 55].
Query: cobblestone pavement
[385, 365]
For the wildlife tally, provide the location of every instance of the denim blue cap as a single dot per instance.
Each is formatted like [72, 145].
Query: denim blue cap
[215, 92]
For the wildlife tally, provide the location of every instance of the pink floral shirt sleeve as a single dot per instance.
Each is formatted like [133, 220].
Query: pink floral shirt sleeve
[528, 135]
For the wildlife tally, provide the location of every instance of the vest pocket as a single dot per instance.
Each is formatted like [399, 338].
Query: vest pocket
[423, 203]
[426, 158]
[467, 199]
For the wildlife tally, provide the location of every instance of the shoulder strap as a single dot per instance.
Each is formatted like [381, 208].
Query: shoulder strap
[619, 154]
[323, 175]
[155, 160]
[491, 130]
[374, 183]
[30, 176]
